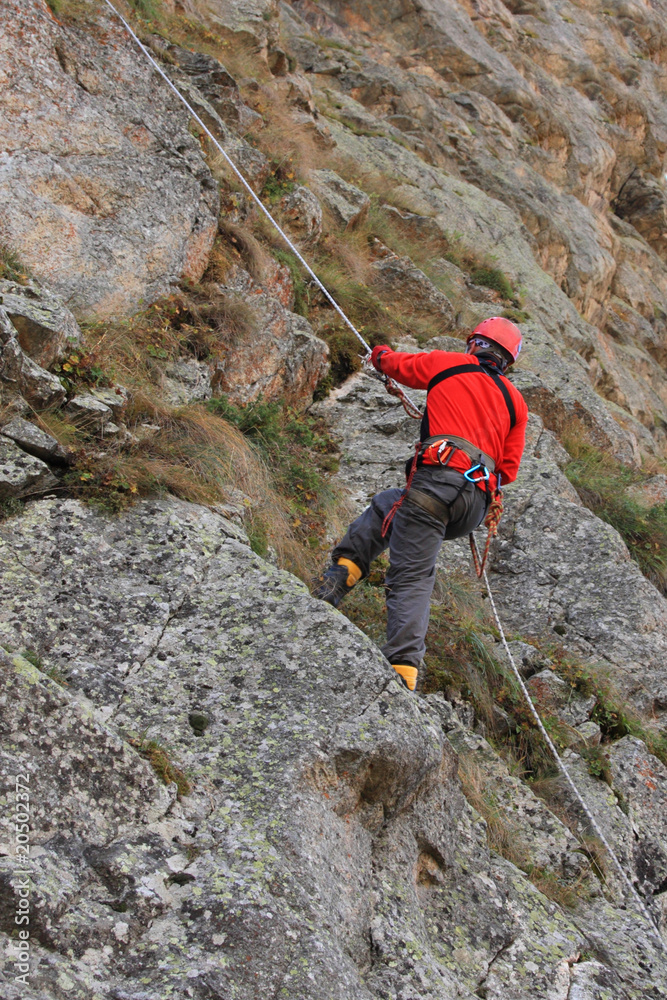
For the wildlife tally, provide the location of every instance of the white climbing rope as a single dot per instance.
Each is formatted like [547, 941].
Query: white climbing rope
[409, 406]
[566, 774]
[392, 386]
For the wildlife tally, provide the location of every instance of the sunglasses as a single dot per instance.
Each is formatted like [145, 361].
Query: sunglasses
[479, 342]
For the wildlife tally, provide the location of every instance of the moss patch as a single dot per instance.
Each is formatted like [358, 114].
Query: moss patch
[159, 759]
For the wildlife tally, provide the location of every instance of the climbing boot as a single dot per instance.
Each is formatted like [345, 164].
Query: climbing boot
[407, 674]
[337, 581]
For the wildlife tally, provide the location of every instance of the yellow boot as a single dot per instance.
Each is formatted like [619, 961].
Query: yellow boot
[408, 675]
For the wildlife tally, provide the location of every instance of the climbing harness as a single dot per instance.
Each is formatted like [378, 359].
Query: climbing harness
[495, 509]
[561, 765]
[391, 386]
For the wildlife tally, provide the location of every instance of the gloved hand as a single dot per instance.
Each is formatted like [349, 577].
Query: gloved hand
[376, 354]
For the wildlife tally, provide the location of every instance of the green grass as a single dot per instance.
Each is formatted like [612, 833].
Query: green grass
[301, 455]
[494, 278]
[602, 484]
[614, 716]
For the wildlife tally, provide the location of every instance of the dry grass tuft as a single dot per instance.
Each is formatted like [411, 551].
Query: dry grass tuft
[254, 257]
[506, 838]
[159, 759]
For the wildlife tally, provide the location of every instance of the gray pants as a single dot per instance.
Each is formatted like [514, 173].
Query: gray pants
[414, 539]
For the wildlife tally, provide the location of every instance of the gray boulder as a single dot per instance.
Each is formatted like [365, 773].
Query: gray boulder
[302, 211]
[46, 329]
[22, 474]
[407, 283]
[347, 204]
[280, 357]
[89, 413]
[35, 441]
[116, 397]
[651, 492]
[552, 693]
[186, 381]
[20, 376]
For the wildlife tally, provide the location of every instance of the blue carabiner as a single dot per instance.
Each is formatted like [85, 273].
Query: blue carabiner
[480, 479]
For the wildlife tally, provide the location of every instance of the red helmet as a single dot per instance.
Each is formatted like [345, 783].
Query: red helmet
[502, 332]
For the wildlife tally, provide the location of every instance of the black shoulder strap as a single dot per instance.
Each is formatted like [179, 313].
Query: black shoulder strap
[483, 370]
[509, 402]
[448, 372]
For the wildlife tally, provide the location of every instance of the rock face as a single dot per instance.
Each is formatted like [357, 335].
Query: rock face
[324, 847]
[21, 474]
[102, 187]
[346, 203]
[231, 796]
[20, 376]
[282, 357]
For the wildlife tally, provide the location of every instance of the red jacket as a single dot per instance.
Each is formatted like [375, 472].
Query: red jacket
[469, 405]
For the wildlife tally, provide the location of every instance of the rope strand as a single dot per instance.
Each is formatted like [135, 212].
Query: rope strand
[408, 405]
[566, 774]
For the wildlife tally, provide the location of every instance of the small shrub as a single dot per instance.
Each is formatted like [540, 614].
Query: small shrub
[10, 507]
[597, 762]
[80, 370]
[492, 277]
[159, 759]
[279, 183]
[11, 268]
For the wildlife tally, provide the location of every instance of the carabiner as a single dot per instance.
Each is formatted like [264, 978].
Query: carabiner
[480, 479]
[444, 453]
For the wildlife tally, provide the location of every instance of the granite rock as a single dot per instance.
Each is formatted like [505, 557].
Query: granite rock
[35, 441]
[46, 329]
[22, 474]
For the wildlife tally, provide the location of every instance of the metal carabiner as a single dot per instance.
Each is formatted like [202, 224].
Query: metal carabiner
[445, 452]
[480, 479]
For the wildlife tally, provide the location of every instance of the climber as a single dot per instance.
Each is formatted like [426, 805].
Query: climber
[472, 437]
